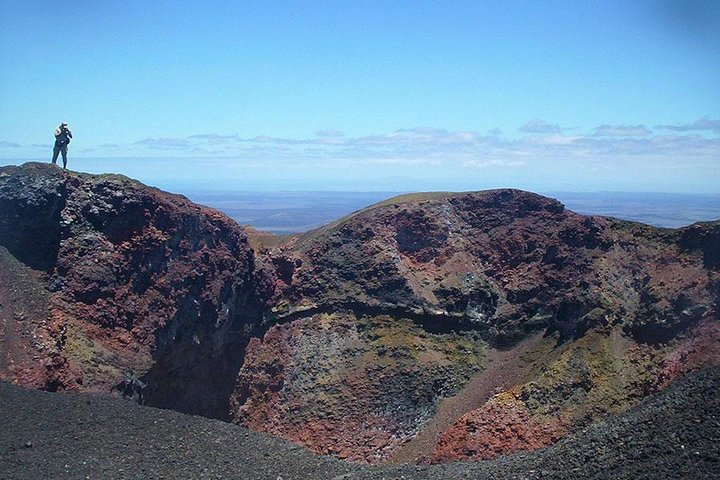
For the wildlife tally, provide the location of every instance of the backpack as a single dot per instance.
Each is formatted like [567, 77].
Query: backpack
[63, 138]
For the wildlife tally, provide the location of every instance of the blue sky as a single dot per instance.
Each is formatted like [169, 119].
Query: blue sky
[541, 95]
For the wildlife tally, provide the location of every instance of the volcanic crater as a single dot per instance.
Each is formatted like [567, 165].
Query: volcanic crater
[428, 328]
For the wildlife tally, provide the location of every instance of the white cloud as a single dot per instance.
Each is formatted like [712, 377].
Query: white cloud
[163, 143]
[427, 146]
[622, 131]
[540, 126]
[702, 124]
[330, 132]
[493, 163]
[552, 139]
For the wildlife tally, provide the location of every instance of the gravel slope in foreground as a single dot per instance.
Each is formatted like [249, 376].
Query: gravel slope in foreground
[675, 434]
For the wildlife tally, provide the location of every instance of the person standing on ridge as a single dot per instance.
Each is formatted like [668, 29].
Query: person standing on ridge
[62, 139]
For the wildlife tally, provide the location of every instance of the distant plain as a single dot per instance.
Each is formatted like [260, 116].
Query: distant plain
[293, 212]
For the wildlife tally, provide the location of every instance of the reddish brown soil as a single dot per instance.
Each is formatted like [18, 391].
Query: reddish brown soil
[23, 320]
[700, 348]
[494, 430]
[505, 368]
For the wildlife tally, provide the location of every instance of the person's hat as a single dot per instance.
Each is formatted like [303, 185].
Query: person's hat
[63, 124]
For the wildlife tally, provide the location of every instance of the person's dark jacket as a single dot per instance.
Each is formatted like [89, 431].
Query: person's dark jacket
[62, 136]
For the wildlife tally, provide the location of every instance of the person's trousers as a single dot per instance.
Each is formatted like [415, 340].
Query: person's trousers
[60, 149]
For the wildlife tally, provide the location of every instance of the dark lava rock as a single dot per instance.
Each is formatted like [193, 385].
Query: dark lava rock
[31, 199]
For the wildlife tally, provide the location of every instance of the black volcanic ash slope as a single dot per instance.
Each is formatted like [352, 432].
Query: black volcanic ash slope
[675, 434]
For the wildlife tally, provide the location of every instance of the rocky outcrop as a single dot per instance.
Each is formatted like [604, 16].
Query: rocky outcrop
[31, 200]
[138, 279]
[478, 271]
[503, 263]
[354, 387]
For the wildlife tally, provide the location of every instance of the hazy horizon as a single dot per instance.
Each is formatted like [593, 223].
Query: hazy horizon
[294, 212]
[154, 172]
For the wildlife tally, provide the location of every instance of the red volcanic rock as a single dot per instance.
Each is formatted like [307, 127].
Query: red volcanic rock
[54, 373]
[703, 237]
[421, 248]
[496, 429]
[139, 279]
[699, 349]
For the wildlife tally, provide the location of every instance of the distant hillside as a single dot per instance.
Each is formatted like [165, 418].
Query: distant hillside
[296, 212]
[669, 210]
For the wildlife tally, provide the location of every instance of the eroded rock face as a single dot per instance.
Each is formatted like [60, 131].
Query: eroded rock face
[31, 200]
[355, 387]
[354, 338]
[620, 303]
[139, 280]
[503, 263]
